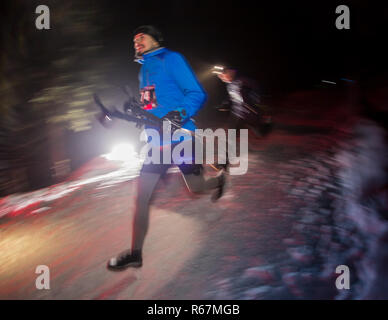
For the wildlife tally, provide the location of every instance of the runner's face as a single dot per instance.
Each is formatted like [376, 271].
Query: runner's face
[143, 43]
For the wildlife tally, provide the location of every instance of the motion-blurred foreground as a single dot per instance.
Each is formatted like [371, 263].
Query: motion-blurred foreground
[314, 198]
[315, 194]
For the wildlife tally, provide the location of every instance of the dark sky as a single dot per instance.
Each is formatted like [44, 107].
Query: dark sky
[275, 42]
[285, 45]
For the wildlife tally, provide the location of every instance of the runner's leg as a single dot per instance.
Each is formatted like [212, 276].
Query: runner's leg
[146, 186]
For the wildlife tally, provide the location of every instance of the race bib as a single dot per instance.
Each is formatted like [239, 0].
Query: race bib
[148, 97]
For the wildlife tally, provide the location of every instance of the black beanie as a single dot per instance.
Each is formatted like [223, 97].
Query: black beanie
[151, 31]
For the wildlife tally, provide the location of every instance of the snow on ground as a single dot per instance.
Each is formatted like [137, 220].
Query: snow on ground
[16, 204]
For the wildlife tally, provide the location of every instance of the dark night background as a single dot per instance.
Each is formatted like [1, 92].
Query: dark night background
[48, 77]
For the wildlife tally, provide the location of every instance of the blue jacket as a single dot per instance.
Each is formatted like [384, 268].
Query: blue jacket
[175, 84]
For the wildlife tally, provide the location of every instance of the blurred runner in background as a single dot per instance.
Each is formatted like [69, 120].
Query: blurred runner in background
[246, 109]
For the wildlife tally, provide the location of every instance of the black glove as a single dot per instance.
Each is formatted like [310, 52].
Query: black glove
[175, 116]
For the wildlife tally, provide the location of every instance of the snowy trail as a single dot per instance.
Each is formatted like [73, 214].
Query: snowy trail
[257, 242]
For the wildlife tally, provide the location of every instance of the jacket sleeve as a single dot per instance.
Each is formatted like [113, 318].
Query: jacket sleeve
[194, 95]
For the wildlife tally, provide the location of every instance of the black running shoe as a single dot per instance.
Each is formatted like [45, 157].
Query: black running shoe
[220, 189]
[124, 260]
